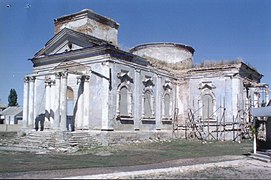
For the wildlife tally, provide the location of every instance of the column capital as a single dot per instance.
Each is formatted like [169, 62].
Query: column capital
[86, 77]
[26, 79]
[82, 78]
[79, 79]
[31, 78]
[49, 82]
[58, 75]
[64, 74]
[137, 70]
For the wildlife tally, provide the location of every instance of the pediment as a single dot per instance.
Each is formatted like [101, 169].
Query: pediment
[124, 77]
[167, 85]
[148, 82]
[207, 85]
[68, 40]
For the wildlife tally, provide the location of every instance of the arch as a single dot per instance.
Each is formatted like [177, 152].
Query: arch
[70, 94]
[166, 105]
[207, 109]
[148, 103]
[207, 102]
[124, 100]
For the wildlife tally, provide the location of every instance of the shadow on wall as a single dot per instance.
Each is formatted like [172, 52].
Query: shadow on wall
[39, 122]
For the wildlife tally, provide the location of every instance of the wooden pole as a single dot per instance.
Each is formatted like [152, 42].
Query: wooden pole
[254, 144]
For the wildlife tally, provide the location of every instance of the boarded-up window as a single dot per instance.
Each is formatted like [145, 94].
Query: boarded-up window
[207, 110]
[123, 101]
[147, 104]
[166, 105]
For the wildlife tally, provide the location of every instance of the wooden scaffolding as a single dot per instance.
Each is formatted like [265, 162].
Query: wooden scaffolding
[220, 130]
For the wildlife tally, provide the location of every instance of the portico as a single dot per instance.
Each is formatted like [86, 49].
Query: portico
[55, 102]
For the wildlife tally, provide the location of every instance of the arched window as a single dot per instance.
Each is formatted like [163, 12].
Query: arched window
[147, 104]
[166, 105]
[70, 95]
[208, 106]
[123, 101]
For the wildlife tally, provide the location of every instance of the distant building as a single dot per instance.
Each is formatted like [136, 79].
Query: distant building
[82, 81]
[2, 107]
[11, 115]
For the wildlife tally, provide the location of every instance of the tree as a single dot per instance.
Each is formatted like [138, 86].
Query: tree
[12, 98]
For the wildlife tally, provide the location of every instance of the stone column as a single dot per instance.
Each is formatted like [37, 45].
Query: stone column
[57, 102]
[25, 102]
[86, 124]
[36, 105]
[31, 120]
[80, 103]
[52, 105]
[158, 103]
[47, 103]
[63, 104]
[136, 100]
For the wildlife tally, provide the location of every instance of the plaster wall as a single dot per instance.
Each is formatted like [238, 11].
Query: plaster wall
[225, 93]
[99, 86]
[137, 121]
[90, 27]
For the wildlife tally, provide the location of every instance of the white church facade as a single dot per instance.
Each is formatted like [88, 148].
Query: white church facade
[82, 81]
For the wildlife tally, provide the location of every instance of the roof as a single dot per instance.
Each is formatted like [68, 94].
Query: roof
[12, 111]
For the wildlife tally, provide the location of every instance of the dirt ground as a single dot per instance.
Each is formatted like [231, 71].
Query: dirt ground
[176, 159]
[225, 167]
[240, 169]
[243, 168]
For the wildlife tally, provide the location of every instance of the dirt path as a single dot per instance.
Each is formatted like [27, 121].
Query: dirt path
[195, 164]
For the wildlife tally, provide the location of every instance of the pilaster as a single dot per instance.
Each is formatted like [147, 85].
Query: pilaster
[136, 98]
[158, 102]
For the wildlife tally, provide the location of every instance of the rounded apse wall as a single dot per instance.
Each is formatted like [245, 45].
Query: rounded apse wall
[167, 52]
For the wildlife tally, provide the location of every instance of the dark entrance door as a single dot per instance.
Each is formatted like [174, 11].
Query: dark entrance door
[70, 120]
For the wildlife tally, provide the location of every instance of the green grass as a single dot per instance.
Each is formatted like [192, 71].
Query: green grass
[121, 155]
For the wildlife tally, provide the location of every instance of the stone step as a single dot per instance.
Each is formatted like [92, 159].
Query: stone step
[22, 148]
[261, 157]
[52, 141]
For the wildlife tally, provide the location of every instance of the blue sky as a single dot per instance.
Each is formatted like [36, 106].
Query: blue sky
[216, 29]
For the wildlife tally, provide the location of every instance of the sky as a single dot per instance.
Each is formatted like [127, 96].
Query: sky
[216, 29]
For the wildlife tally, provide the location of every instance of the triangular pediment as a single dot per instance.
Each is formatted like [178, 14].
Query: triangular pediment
[71, 67]
[68, 40]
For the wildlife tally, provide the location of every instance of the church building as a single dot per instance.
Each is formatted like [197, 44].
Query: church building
[83, 81]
